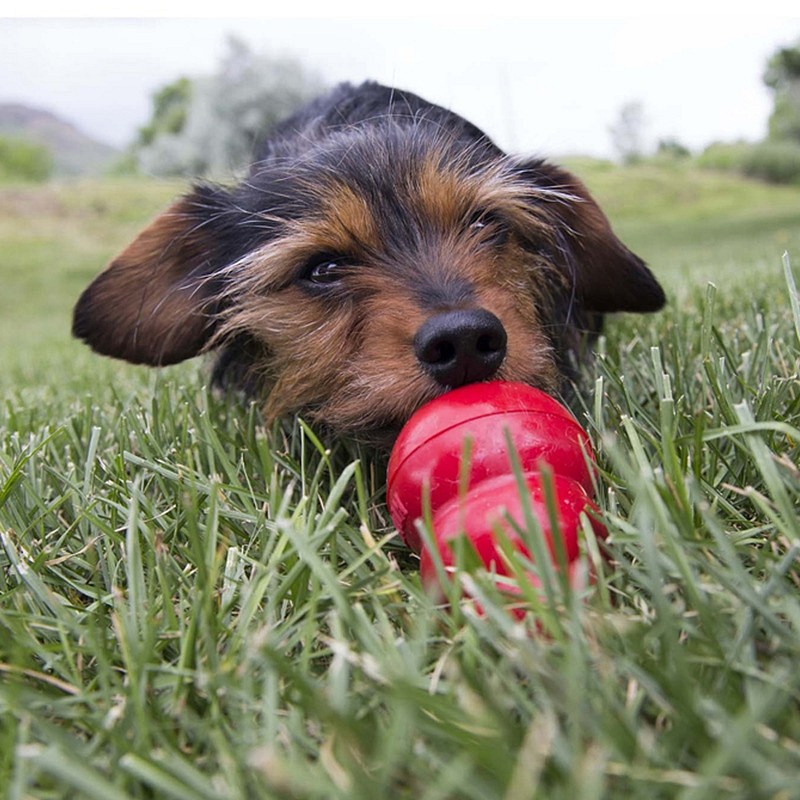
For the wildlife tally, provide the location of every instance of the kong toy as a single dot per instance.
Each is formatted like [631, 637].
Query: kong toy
[453, 454]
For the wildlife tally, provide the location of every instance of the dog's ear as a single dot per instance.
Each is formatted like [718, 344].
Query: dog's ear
[607, 276]
[156, 302]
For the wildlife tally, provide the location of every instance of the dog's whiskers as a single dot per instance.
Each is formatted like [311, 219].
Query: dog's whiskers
[375, 246]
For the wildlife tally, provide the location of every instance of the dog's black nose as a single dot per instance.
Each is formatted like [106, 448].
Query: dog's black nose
[460, 347]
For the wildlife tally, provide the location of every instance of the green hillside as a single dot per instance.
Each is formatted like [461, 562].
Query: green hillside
[695, 226]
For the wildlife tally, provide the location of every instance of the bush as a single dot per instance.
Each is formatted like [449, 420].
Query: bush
[771, 161]
[776, 162]
[23, 160]
[727, 157]
[672, 149]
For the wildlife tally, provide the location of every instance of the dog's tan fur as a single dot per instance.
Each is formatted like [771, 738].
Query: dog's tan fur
[420, 217]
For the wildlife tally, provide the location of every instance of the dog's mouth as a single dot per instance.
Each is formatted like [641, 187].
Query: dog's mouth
[380, 430]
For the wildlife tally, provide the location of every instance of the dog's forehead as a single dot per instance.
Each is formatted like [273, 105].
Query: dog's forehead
[389, 168]
[431, 177]
[388, 191]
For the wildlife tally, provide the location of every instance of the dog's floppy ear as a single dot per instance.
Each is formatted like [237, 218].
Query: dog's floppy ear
[607, 276]
[155, 303]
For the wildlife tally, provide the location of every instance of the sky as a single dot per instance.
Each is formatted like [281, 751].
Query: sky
[544, 85]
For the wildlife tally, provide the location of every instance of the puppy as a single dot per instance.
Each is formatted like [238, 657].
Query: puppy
[380, 251]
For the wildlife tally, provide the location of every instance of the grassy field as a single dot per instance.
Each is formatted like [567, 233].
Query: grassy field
[192, 606]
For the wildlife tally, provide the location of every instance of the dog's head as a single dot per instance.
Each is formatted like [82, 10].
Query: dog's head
[369, 270]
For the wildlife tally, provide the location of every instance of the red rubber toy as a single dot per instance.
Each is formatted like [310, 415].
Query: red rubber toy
[428, 459]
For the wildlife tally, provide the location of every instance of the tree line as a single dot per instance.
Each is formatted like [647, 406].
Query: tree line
[208, 126]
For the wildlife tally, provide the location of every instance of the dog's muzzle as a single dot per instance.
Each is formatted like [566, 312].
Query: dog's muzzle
[460, 347]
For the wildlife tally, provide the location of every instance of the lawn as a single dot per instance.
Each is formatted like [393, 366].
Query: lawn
[192, 606]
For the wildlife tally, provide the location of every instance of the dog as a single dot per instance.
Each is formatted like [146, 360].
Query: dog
[380, 251]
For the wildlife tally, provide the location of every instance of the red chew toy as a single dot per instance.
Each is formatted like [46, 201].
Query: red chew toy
[428, 459]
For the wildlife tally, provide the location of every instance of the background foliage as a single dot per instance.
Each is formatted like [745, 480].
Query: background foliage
[23, 161]
[776, 159]
[211, 125]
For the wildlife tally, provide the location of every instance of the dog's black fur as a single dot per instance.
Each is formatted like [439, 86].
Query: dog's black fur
[371, 203]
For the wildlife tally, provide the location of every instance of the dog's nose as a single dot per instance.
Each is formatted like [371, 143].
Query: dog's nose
[460, 347]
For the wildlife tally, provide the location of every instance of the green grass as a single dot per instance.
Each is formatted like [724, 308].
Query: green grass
[192, 606]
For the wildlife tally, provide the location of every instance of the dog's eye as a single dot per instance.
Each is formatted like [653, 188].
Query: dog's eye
[324, 269]
[489, 226]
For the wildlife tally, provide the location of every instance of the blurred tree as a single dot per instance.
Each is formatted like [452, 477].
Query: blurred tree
[170, 108]
[783, 77]
[628, 132]
[209, 126]
[672, 148]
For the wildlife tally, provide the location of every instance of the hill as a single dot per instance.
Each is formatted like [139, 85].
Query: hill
[73, 151]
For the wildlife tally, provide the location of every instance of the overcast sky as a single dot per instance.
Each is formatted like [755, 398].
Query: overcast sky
[547, 86]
